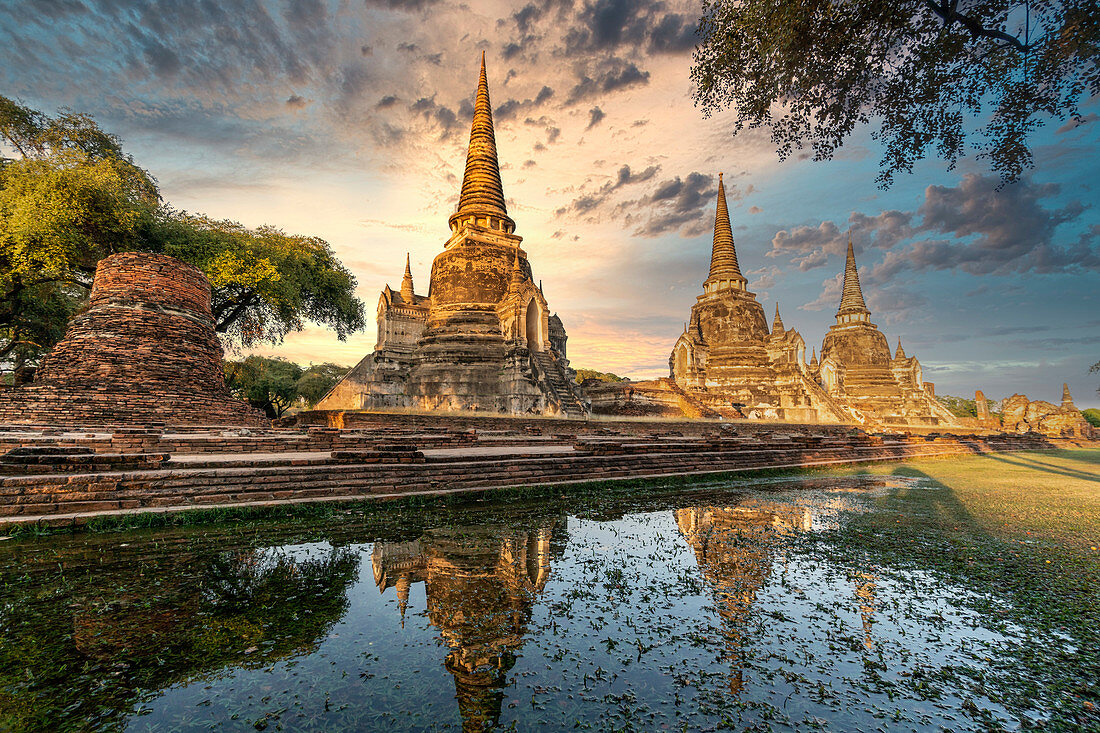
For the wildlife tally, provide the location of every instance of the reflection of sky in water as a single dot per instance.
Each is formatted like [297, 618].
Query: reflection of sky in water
[692, 616]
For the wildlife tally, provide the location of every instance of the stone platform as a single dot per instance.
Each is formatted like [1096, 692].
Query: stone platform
[56, 477]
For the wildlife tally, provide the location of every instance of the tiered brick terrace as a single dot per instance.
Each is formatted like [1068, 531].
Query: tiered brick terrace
[61, 477]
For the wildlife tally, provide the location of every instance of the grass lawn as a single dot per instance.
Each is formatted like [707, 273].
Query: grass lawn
[1022, 526]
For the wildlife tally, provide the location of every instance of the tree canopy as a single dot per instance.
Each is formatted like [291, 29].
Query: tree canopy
[583, 374]
[936, 75]
[71, 196]
[274, 385]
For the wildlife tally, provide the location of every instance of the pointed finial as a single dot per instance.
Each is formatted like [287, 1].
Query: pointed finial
[723, 255]
[517, 271]
[1067, 400]
[777, 322]
[403, 596]
[900, 353]
[482, 194]
[407, 293]
[851, 301]
[813, 359]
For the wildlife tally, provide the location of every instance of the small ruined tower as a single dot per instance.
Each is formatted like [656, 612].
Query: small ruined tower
[981, 406]
[407, 293]
[900, 353]
[1067, 400]
[724, 270]
[777, 323]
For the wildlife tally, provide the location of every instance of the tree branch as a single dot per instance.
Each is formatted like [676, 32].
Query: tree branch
[223, 324]
[950, 14]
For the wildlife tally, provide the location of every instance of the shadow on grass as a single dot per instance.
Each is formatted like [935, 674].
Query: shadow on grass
[1015, 459]
[1052, 591]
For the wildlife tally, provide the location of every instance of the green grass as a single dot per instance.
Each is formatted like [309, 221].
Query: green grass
[1025, 526]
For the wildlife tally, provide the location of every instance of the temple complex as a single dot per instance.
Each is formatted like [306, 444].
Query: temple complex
[483, 338]
[859, 373]
[480, 585]
[143, 351]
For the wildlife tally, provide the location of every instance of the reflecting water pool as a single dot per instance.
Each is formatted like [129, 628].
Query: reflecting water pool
[732, 606]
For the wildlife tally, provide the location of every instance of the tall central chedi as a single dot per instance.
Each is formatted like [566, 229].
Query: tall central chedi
[483, 338]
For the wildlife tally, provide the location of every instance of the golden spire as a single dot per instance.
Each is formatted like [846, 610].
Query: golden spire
[900, 353]
[407, 283]
[777, 322]
[1067, 400]
[813, 359]
[851, 301]
[482, 194]
[723, 256]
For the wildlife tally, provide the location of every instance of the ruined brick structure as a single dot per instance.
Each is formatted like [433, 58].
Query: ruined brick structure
[142, 351]
[483, 337]
[859, 373]
[1021, 415]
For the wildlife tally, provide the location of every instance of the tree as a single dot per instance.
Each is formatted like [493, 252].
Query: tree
[71, 197]
[1095, 368]
[265, 383]
[583, 374]
[317, 380]
[266, 283]
[930, 72]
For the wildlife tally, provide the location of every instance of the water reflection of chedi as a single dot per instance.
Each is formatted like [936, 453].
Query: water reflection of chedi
[480, 584]
[735, 548]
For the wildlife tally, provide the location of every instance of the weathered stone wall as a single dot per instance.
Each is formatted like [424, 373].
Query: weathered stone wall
[63, 486]
[142, 351]
[1021, 415]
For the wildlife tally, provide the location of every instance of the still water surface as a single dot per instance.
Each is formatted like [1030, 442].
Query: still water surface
[719, 608]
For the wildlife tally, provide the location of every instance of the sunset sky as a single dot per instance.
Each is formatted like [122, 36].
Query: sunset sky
[349, 120]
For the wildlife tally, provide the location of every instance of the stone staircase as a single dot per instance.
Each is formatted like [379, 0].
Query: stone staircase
[690, 405]
[553, 376]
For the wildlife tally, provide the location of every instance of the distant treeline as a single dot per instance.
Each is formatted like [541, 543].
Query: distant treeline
[276, 385]
[583, 374]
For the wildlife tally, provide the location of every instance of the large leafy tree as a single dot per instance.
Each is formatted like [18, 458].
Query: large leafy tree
[70, 196]
[935, 75]
[266, 283]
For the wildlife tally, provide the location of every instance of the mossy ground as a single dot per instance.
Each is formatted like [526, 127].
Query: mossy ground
[1021, 525]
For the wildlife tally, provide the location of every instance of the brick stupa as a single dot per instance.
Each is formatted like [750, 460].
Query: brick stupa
[143, 351]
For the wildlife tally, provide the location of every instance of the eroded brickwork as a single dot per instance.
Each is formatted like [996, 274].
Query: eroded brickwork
[142, 351]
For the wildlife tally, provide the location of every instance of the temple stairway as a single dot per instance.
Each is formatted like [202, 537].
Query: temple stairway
[552, 375]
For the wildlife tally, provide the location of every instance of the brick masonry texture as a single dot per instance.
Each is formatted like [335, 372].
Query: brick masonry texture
[143, 351]
[58, 477]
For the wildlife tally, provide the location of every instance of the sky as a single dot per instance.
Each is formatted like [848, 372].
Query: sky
[349, 119]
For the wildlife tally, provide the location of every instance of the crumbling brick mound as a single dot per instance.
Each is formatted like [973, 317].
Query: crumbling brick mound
[142, 351]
